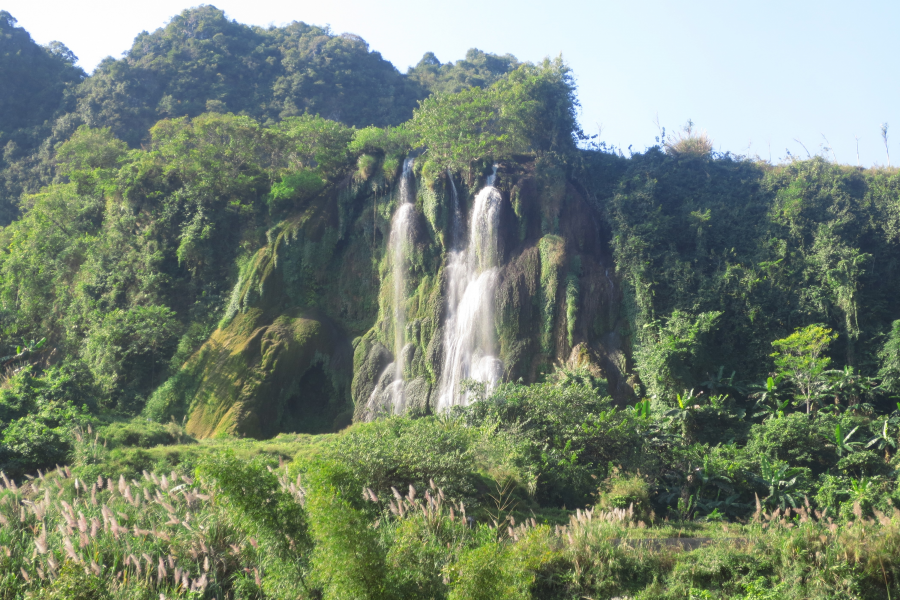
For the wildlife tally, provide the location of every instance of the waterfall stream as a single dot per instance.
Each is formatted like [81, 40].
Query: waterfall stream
[472, 275]
[399, 242]
[390, 383]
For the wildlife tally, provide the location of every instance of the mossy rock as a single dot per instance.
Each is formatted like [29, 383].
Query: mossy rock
[370, 359]
[291, 374]
[386, 399]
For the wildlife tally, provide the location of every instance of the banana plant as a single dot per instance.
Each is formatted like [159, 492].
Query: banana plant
[848, 385]
[641, 410]
[780, 479]
[883, 440]
[842, 442]
[23, 352]
[861, 490]
[768, 403]
[717, 383]
[681, 417]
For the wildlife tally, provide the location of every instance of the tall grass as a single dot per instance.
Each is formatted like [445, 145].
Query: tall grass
[165, 535]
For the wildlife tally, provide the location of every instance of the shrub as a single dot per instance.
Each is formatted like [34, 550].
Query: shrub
[796, 439]
[36, 416]
[365, 166]
[624, 491]
[348, 561]
[569, 433]
[73, 584]
[142, 433]
[690, 143]
[487, 572]
[294, 189]
[400, 451]
[259, 502]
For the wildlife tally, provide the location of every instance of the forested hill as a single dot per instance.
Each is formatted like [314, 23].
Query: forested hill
[38, 87]
[342, 332]
[254, 231]
[202, 62]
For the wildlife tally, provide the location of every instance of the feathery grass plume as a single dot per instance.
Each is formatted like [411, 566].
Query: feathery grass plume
[689, 142]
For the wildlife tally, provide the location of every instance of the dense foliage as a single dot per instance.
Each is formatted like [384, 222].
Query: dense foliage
[362, 515]
[219, 201]
[39, 86]
[202, 62]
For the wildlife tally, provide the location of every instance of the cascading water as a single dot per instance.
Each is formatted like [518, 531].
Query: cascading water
[472, 275]
[390, 382]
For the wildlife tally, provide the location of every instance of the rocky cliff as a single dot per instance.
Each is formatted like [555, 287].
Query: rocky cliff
[337, 316]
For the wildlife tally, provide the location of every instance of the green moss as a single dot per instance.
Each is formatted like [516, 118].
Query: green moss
[552, 250]
[291, 374]
[572, 297]
[436, 208]
[517, 310]
[550, 177]
[519, 209]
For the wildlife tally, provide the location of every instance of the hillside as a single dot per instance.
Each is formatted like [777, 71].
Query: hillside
[202, 62]
[280, 321]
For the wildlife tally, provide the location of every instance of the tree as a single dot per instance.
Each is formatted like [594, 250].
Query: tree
[532, 109]
[798, 359]
[667, 350]
[38, 87]
[889, 359]
[203, 62]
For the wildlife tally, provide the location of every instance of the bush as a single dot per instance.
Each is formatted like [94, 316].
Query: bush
[73, 584]
[797, 439]
[400, 451]
[569, 433]
[37, 414]
[623, 491]
[142, 433]
[488, 572]
[260, 505]
[348, 561]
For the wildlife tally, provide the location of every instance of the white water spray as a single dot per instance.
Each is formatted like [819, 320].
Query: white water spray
[472, 275]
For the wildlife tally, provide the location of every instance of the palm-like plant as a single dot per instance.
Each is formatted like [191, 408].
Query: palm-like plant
[681, 416]
[842, 442]
[641, 410]
[23, 352]
[861, 490]
[717, 383]
[847, 384]
[884, 440]
[780, 479]
[770, 407]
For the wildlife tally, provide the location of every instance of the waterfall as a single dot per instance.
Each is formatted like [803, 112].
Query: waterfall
[472, 275]
[390, 383]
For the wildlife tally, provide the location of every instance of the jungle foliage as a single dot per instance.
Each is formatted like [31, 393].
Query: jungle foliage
[223, 195]
[203, 62]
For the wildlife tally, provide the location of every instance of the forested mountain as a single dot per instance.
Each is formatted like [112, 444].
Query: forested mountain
[38, 87]
[241, 247]
[478, 69]
[202, 62]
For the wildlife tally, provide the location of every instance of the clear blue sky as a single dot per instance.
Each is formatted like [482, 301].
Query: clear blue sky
[760, 73]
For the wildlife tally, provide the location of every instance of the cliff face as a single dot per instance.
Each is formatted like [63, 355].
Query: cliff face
[346, 311]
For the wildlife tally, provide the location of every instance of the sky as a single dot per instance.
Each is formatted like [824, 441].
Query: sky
[763, 77]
